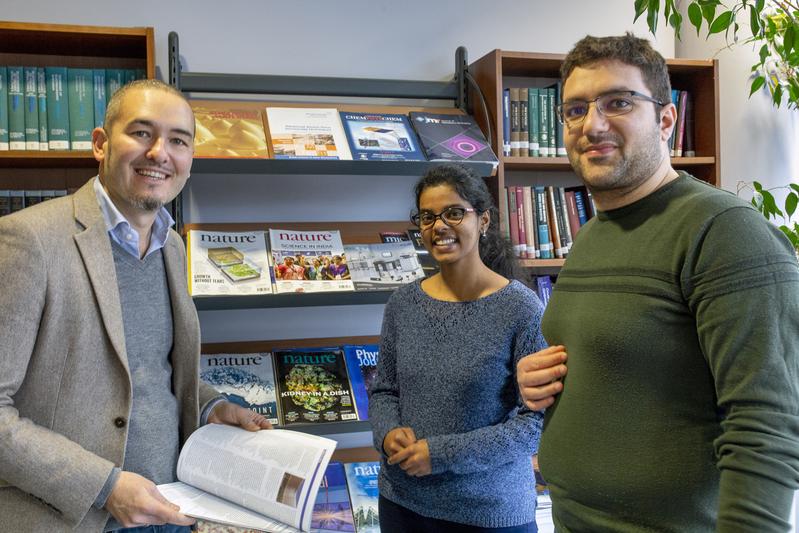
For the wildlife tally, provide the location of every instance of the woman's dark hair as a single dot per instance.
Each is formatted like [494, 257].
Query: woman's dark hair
[496, 251]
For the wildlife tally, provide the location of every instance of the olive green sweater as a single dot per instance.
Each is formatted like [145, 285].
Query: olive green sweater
[680, 411]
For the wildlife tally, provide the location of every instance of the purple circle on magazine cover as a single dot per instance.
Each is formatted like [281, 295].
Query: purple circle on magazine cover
[464, 145]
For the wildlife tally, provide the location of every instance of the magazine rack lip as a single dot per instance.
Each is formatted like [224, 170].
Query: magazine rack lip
[327, 167]
[311, 299]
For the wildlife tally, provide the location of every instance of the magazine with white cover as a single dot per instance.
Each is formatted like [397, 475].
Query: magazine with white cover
[306, 133]
[384, 266]
[226, 263]
[309, 261]
[265, 480]
[246, 379]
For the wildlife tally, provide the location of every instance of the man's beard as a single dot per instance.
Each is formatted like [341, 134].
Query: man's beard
[627, 172]
[146, 203]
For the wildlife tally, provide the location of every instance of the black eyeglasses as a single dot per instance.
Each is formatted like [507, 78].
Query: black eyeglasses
[451, 216]
[573, 112]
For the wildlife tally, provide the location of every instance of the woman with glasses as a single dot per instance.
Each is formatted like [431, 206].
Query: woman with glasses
[455, 437]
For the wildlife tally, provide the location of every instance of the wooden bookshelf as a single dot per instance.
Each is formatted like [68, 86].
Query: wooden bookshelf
[75, 46]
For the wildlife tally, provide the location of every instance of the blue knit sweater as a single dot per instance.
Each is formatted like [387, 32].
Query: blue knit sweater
[447, 370]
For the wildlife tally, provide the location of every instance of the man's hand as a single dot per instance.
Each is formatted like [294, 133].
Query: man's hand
[539, 377]
[413, 459]
[398, 439]
[135, 501]
[235, 415]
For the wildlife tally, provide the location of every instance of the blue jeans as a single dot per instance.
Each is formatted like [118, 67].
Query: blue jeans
[397, 519]
[166, 528]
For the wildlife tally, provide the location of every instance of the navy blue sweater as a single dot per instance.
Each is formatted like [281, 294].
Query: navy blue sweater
[447, 370]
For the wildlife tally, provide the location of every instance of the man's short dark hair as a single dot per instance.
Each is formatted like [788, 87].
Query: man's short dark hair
[115, 103]
[627, 49]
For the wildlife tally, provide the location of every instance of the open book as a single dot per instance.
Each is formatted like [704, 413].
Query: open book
[264, 480]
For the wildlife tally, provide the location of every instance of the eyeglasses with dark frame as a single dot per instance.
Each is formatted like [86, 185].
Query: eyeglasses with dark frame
[451, 216]
[612, 104]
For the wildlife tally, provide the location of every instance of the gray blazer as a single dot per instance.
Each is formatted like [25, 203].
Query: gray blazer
[65, 386]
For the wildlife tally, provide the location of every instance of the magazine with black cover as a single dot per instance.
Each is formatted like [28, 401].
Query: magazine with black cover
[452, 138]
[246, 379]
[384, 266]
[313, 386]
[266, 480]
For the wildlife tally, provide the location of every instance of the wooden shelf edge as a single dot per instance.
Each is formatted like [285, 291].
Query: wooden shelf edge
[355, 455]
[542, 263]
[270, 345]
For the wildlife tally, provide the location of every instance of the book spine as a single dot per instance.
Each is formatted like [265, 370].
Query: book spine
[534, 224]
[515, 126]
[571, 211]
[544, 244]
[543, 133]
[579, 201]
[688, 141]
[4, 110]
[5, 203]
[16, 109]
[524, 123]
[535, 121]
[675, 99]
[130, 75]
[98, 79]
[17, 200]
[528, 222]
[41, 97]
[522, 229]
[81, 108]
[678, 140]
[552, 122]
[504, 225]
[563, 213]
[560, 147]
[513, 220]
[114, 80]
[31, 109]
[506, 122]
[57, 108]
[552, 220]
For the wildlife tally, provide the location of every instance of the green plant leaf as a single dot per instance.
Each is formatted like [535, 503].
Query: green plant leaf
[721, 23]
[757, 84]
[794, 186]
[709, 11]
[776, 95]
[675, 21]
[769, 204]
[695, 16]
[759, 4]
[640, 8]
[653, 12]
[788, 39]
[757, 186]
[763, 53]
[754, 20]
[790, 204]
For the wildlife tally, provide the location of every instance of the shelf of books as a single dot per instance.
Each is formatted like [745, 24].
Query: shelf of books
[55, 81]
[542, 205]
[301, 264]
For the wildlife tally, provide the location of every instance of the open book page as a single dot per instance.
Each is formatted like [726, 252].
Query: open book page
[275, 473]
[199, 504]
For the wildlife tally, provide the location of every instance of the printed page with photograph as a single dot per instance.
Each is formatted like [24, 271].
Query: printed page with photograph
[265, 480]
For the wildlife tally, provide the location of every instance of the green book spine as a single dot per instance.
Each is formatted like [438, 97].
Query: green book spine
[114, 80]
[5, 203]
[130, 75]
[98, 76]
[41, 93]
[535, 121]
[81, 108]
[16, 109]
[543, 120]
[31, 109]
[3, 109]
[141, 74]
[17, 200]
[57, 108]
[551, 120]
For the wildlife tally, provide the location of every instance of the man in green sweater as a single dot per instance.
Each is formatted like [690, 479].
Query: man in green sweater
[679, 310]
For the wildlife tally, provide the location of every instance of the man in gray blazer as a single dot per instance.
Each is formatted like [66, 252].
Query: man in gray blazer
[99, 338]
